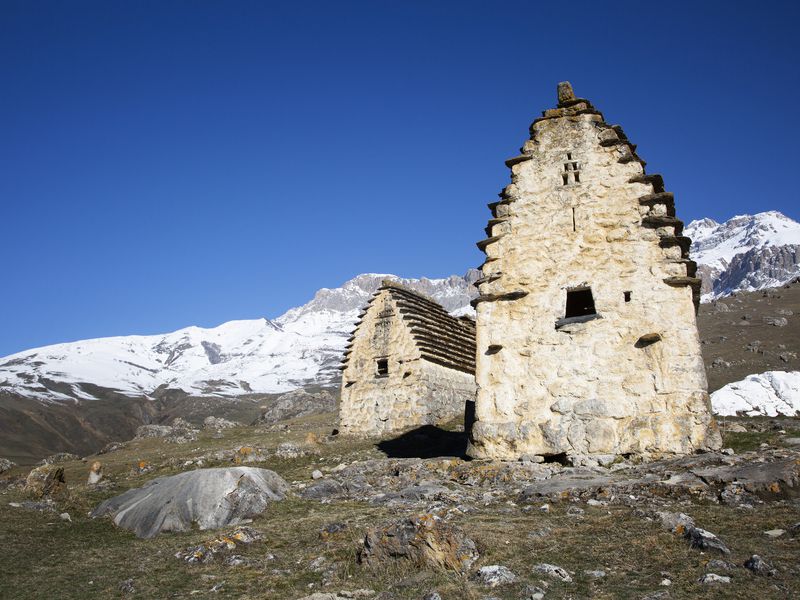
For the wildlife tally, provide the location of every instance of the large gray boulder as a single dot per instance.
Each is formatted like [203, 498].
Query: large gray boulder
[204, 498]
[298, 403]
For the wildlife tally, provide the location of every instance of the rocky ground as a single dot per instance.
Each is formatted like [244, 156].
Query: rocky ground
[750, 333]
[408, 519]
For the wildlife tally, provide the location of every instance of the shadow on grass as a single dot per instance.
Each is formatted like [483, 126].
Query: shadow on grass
[427, 441]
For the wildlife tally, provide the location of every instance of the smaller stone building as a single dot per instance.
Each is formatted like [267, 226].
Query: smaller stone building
[408, 363]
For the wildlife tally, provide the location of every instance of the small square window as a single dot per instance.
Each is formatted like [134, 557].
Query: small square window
[580, 303]
[627, 296]
[383, 367]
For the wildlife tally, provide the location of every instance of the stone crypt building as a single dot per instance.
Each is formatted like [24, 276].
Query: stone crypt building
[409, 363]
[586, 334]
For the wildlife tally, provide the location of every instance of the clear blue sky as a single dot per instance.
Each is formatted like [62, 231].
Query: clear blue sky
[168, 163]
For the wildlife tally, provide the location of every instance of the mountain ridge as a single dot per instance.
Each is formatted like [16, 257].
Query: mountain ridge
[303, 346]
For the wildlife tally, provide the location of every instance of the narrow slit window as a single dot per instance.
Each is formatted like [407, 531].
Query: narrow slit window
[627, 296]
[580, 303]
[571, 172]
[573, 220]
[383, 367]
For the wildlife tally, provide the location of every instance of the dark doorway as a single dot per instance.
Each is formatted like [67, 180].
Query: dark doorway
[427, 441]
[580, 303]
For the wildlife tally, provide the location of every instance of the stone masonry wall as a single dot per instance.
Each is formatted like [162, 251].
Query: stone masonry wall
[415, 391]
[630, 380]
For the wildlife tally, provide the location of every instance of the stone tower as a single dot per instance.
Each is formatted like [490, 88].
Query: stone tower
[409, 363]
[586, 336]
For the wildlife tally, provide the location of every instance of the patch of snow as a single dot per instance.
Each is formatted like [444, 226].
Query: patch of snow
[766, 394]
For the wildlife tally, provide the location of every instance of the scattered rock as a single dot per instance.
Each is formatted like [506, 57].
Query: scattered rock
[58, 458]
[65, 517]
[719, 565]
[209, 550]
[245, 455]
[289, 450]
[424, 540]
[705, 540]
[205, 498]
[532, 592]
[720, 363]
[774, 533]
[218, 423]
[495, 575]
[95, 473]
[713, 578]
[316, 474]
[331, 529]
[736, 428]
[343, 595]
[553, 571]
[432, 596]
[112, 447]
[759, 566]
[776, 321]
[596, 574]
[126, 587]
[179, 432]
[297, 403]
[322, 490]
[144, 432]
[6, 465]
[45, 482]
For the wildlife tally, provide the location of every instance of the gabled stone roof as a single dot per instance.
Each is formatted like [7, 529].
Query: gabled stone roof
[440, 337]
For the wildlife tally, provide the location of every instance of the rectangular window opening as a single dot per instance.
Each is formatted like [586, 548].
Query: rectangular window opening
[580, 303]
[577, 176]
[573, 220]
[627, 296]
[569, 155]
[383, 367]
[565, 178]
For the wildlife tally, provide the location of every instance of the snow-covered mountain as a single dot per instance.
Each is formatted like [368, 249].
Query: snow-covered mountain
[301, 347]
[745, 253]
[304, 345]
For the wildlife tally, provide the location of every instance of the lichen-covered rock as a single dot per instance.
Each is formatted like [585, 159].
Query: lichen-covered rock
[204, 498]
[218, 423]
[713, 578]
[59, 457]
[586, 335]
[495, 575]
[297, 403]
[179, 432]
[705, 540]
[46, 481]
[210, 549]
[289, 450]
[759, 566]
[6, 465]
[343, 595]
[144, 432]
[553, 571]
[423, 540]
